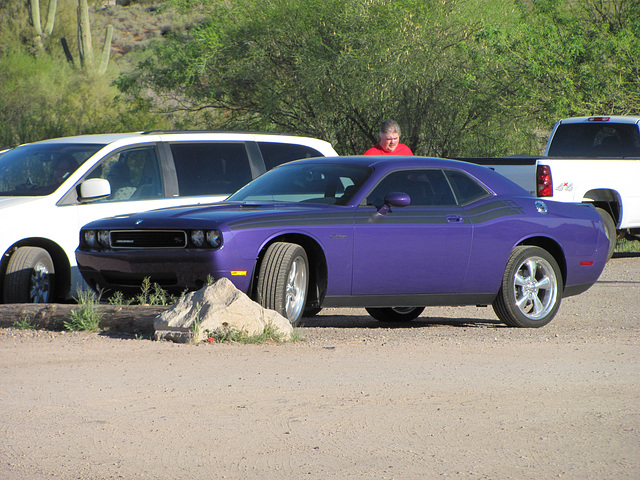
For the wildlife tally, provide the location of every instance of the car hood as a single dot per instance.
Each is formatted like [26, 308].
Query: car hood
[12, 202]
[214, 214]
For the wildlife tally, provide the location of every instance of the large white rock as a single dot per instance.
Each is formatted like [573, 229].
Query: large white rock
[220, 305]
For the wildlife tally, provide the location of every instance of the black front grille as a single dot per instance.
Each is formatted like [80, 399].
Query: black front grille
[148, 239]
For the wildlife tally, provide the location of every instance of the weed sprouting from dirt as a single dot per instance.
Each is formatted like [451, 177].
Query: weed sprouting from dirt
[86, 318]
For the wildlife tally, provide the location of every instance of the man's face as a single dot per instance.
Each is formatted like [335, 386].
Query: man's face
[389, 141]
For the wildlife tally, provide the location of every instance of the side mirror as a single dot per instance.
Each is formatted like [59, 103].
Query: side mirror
[94, 189]
[394, 199]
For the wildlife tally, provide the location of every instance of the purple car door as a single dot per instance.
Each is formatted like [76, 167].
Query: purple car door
[418, 249]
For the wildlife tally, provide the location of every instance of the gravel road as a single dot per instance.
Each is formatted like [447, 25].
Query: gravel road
[454, 394]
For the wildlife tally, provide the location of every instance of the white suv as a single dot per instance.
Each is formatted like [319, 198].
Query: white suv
[49, 189]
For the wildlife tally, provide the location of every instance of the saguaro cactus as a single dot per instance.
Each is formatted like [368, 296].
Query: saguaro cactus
[84, 35]
[34, 7]
[85, 46]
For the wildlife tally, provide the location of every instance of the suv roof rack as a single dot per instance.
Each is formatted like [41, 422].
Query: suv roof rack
[158, 132]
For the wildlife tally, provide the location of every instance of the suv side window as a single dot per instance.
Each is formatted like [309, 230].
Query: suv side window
[424, 187]
[275, 154]
[466, 189]
[211, 168]
[133, 174]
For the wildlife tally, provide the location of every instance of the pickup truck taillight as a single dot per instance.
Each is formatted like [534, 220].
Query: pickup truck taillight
[544, 181]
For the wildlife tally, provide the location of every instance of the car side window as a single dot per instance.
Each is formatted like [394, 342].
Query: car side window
[211, 168]
[427, 187]
[466, 189]
[275, 154]
[133, 174]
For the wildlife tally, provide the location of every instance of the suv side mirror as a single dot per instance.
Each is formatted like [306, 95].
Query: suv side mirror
[93, 189]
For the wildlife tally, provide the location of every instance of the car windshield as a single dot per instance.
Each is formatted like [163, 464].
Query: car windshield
[39, 169]
[321, 182]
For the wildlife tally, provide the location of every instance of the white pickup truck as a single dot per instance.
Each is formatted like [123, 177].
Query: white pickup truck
[587, 159]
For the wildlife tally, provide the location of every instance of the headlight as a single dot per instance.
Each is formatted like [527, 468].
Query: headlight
[214, 238]
[89, 237]
[103, 238]
[197, 238]
[204, 238]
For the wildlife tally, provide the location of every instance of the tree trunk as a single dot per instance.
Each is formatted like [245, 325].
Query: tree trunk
[117, 318]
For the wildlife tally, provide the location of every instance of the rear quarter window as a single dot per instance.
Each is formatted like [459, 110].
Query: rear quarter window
[275, 154]
[466, 189]
[211, 168]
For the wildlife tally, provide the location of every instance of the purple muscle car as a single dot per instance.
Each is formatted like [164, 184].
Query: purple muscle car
[391, 234]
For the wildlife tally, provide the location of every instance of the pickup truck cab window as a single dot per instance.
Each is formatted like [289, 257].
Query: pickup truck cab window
[595, 140]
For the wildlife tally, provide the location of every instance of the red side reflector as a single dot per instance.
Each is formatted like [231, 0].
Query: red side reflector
[586, 263]
[598, 119]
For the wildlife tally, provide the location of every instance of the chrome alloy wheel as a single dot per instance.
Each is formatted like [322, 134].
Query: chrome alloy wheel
[535, 288]
[40, 284]
[296, 288]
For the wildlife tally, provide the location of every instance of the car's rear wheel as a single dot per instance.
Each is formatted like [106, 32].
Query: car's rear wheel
[30, 276]
[531, 289]
[283, 280]
[395, 314]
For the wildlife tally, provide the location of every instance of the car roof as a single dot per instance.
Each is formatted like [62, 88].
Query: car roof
[152, 135]
[392, 161]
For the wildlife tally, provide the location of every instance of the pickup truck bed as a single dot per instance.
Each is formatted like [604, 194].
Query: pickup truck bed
[587, 160]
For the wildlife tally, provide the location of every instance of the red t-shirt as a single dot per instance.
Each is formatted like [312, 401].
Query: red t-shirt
[401, 149]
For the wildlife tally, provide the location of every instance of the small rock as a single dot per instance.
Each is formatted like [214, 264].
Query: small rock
[213, 307]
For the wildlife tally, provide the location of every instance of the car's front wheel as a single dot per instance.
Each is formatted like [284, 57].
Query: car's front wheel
[395, 314]
[283, 280]
[29, 277]
[531, 289]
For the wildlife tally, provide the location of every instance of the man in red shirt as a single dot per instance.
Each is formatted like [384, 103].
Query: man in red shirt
[389, 141]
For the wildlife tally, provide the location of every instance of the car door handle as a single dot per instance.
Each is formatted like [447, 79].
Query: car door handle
[454, 219]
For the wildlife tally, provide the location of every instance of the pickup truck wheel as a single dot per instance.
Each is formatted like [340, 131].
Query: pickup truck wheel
[283, 280]
[531, 289]
[30, 276]
[610, 229]
[395, 314]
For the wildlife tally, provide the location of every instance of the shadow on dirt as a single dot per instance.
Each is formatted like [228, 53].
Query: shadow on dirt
[365, 321]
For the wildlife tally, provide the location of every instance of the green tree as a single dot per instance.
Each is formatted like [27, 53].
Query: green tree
[327, 68]
[563, 58]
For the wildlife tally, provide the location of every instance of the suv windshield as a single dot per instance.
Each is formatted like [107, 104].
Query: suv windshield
[39, 169]
[327, 183]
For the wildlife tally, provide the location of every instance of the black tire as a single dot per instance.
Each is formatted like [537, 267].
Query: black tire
[610, 229]
[395, 314]
[283, 280]
[30, 277]
[531, 289]
[311, 311]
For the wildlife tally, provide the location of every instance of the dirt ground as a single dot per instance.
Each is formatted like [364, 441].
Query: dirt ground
[453, 395]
